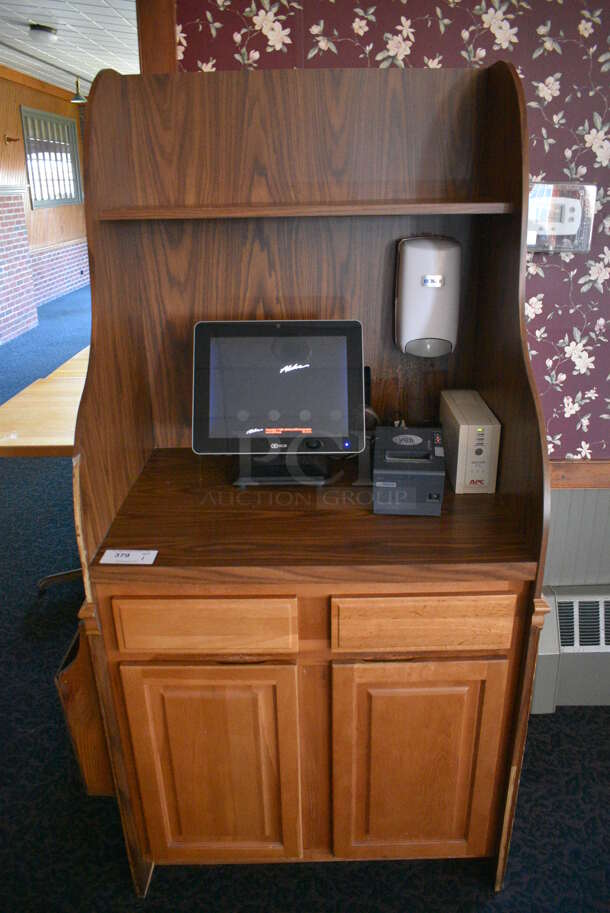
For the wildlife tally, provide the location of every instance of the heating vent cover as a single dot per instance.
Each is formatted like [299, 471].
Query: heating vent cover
[565, 611]
[573, 667]
[584, 624]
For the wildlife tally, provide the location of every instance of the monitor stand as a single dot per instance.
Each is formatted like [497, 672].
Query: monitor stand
[284, 469]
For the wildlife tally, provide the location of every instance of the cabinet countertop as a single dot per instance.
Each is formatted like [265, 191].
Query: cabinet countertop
[186, 507]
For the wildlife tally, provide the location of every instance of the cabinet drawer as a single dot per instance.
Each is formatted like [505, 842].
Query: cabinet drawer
[211, 625]
[422, 623]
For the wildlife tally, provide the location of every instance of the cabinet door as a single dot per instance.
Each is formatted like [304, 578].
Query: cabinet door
[217, 756]
[415, 757]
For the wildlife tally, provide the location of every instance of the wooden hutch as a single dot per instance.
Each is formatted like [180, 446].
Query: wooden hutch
[296, 678]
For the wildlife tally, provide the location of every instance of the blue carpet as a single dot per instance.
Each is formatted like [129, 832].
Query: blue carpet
[62, 852]
[64, 328]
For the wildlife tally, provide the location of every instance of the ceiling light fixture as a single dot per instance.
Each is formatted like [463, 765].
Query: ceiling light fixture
[77, 98]
[42, 34]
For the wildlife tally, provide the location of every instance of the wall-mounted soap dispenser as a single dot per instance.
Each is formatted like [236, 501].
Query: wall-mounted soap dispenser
[427, 295]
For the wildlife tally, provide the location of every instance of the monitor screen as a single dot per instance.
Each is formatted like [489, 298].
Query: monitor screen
[265, 386]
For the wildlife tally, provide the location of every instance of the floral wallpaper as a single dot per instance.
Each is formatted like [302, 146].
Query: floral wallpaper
[561, 49]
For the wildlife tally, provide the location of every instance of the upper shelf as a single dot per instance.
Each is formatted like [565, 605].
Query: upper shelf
[266, 210]
[351, 142]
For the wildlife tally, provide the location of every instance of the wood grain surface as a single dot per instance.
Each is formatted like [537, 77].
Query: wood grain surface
[186, 507]
[23, 79]
[75, 683]
[352, 143]
[41, 420]
[310, 268]
[281, 211]
[580, 474]
[415, 757]
[502, 370]
[521, 720]
[157, 35]
[157, 278]
[447, 623]
[248, 625]
[45, 225]
[217, 754]
[346, 136]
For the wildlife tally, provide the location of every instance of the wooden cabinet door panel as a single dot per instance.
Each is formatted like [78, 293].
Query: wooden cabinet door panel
[217, 756]
[415, 757]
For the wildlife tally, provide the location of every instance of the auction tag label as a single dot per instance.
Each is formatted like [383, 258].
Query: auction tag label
[129, 556]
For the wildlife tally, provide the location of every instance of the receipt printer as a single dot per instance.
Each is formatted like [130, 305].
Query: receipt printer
[408, 471]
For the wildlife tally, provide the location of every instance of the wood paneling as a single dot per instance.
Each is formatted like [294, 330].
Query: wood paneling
[54, 225]
[243, 625]
[346, 136]
[415, 755]
[217, 753]
[157, 35]
[22, 79]
[250, 269]
[45, 226]
[446, 623]
[580, 474]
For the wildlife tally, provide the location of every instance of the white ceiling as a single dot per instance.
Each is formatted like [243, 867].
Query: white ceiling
[92, 35]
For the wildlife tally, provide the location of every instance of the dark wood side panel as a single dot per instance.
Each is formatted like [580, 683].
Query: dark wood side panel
[502, 371]
[541, 609]
[113, 436]
[504, 374]
[114, 425]
[346, 136]
[75, 683]
[131, 816]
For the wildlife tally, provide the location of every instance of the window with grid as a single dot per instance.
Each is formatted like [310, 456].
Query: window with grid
[51, 154]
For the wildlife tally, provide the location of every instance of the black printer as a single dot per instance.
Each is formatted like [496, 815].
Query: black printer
[408, 471]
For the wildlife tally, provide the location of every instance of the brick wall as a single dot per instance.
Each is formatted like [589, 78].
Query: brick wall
[29, 277]
[17, 305]
[58, 270]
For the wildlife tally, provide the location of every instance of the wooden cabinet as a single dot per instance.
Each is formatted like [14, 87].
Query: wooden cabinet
[237, 761]
[206, 754]
[217, 757]
[415, 757]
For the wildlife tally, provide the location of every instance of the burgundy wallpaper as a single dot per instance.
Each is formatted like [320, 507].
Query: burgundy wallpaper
[562, 52]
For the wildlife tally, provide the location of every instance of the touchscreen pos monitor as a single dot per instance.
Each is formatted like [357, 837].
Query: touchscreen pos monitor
[278, 393]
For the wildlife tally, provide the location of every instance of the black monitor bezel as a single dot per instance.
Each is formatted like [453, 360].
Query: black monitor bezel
[205, 330]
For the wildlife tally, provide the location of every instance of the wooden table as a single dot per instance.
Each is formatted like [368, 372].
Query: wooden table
[40, 420]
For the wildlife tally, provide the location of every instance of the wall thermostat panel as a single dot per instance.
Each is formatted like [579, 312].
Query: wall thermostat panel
[560, 217]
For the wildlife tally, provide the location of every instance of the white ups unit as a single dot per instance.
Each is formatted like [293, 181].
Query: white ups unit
[471, 434]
